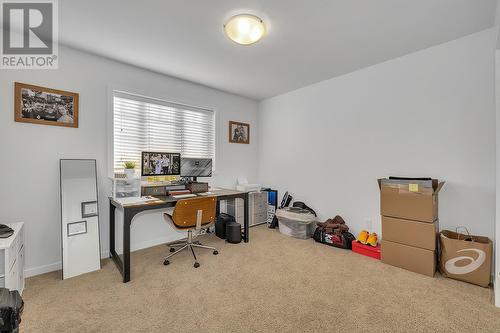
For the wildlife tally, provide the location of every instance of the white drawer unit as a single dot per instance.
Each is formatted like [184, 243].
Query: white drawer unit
[12, 259]
[257, 204]
[258, 207]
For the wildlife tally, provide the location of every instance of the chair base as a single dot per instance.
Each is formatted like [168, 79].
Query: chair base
[190, 245]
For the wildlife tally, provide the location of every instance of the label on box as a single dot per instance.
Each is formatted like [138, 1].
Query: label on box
[413, 187]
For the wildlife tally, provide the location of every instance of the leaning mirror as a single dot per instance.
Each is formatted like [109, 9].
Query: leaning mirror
[79, 217]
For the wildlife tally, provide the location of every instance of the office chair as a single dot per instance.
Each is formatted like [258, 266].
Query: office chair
[191, 214]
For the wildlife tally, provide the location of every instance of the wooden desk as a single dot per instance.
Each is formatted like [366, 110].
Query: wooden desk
[129, 211]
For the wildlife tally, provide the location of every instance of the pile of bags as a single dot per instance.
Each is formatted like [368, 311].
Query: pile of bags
[334, 232]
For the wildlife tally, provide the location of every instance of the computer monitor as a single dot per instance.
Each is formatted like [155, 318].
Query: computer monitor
[160, 164]
[196, 167]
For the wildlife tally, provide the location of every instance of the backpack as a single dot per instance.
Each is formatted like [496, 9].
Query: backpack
[344, 241]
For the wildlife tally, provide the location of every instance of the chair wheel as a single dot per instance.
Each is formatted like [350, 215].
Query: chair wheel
[196, 264]
[166, 262]
[216, 252]
[172, 249]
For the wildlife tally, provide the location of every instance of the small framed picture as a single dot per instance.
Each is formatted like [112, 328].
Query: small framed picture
[40, 105]
[77, 228]
[239, 132]
[89, 209]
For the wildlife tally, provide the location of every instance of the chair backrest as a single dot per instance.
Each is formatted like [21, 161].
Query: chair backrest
[194, 212]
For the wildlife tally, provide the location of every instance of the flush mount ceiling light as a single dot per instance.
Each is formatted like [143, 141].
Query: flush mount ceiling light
[245, 29]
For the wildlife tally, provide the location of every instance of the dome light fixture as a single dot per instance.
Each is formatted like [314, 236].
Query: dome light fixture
[245, 29]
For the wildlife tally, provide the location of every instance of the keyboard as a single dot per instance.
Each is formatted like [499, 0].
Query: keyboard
[183, 196]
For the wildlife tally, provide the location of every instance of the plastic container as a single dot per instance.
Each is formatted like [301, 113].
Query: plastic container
[296, 222]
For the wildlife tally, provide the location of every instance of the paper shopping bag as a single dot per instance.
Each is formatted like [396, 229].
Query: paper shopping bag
[466, 257]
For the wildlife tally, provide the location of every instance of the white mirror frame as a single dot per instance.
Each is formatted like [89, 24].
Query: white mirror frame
[80, 233]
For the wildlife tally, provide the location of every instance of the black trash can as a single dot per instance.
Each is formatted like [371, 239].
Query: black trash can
[220, 224]
[233, 232]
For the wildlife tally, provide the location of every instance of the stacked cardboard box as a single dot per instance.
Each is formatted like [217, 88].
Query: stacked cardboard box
[409, 210]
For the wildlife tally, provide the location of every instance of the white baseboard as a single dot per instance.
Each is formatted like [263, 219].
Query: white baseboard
[496, 288]
[42, 269]
[104, 254]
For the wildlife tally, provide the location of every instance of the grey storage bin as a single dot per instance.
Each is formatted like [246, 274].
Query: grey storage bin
[296, 222]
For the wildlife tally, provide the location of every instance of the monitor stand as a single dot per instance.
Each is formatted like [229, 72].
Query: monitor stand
[194, 179]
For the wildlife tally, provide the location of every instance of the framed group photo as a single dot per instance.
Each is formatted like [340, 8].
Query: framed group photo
[40, 105]
[239, 132]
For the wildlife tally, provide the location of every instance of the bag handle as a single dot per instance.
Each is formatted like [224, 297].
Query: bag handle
[466, 230]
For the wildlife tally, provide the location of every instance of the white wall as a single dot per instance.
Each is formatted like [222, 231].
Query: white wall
[30, 153]
[430, 113]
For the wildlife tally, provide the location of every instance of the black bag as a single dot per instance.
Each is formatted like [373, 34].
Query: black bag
[11, 309]
[344, 241]
[302, 205]
[5, 231]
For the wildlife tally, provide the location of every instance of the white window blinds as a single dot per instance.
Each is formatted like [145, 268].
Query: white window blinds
[146, 124]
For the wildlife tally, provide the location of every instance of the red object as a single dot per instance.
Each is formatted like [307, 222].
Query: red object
[366, 250]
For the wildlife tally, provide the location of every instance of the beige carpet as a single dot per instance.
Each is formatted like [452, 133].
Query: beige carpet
[272, 284]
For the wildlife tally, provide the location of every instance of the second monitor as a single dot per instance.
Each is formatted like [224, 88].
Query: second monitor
[196, 167]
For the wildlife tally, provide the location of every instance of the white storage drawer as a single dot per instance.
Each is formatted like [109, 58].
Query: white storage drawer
[12, 252]
[12, 278]
[20, 268]
[258, 218]
[12, 259]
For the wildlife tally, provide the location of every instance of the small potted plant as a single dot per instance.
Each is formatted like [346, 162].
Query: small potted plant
[129, 169]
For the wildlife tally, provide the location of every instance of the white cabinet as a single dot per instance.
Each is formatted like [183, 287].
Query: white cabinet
[12, 259]
[257, 208]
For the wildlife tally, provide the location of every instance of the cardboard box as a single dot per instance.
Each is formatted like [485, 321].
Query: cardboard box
[408, 257]
[414, 233]
[410, 199]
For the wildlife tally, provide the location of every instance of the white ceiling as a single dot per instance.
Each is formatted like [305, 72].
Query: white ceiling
[308, 40]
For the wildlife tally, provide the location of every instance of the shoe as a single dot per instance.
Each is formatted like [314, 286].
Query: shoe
[372, 239]
[363, 237]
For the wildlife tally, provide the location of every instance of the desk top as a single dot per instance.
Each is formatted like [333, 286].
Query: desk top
[169, 199]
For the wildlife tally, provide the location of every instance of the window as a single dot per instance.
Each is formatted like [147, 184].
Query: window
[146, 124]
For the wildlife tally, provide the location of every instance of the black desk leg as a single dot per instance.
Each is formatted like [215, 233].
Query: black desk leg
[245, 216]
[127, 221]
[111, 229]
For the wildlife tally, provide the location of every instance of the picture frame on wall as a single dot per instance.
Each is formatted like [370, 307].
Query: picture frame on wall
[45, 106]
[239, 132]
